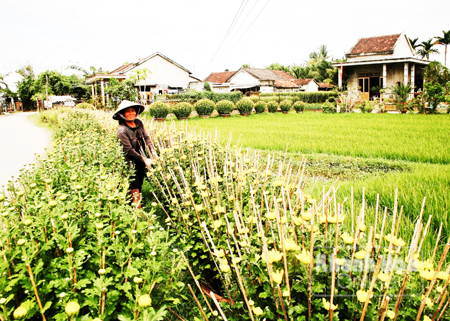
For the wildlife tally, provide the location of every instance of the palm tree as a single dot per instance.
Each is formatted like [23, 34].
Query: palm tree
[414, 43]
[426, 48]
[445, 40]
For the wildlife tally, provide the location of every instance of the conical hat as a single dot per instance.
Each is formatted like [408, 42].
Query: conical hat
[126, 104]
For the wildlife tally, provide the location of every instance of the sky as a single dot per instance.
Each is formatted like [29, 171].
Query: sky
[54, 34]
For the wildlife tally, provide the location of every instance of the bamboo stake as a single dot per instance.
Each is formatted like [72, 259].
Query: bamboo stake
[384, 309]
[197, 284]
[35, 290]
[443, 310]
[433, 282]
[440, 306]
[333, 283]
[218, 306]
[437, 242]
[372, 284]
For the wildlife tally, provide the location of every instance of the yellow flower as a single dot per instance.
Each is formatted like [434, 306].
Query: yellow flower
[426, 318]
[387, 251]
[144, 301]
[257, 257]
[72, 309]
[340, 261]
[347, 238]
[297, 220]
[398, 242]
[251, 219]
[220, 209]
[442, 275]
[427, 274]
[224, 267]
[216, 224]
[290, 245]
[219, 253]
[360, 255]
[399, 272]
[243, 243]
[363, 296]
[390, 314]
[334, 219]
[383, 276]
[257, 311]
[304, 257]
[278, 276]
[428, 301]
[198, 207]
[307, 215]
[271, 216]
[274, 256]
[439, 289]
[327, 306]
[236, 260]
[428, 265]
[20, 313]
[362, 227]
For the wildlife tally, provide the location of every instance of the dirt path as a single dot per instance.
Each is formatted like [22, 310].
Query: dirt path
[20, 139]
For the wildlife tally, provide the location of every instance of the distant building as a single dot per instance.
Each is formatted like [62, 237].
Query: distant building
[262, 80]
[382, 61]
[166, 76]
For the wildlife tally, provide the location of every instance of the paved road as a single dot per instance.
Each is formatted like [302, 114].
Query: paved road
[20, 139]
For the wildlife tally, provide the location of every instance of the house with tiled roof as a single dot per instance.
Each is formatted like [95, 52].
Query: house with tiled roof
[381, 61]
[165, 75]
[254, 79]
[307, 84]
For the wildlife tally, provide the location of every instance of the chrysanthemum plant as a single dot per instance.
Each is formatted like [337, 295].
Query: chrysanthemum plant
[261, 247]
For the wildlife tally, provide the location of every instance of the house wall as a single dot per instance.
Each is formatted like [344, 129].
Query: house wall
[243, 78]
[311, 87]
[267, 89]
[163, 72]
[221, 89]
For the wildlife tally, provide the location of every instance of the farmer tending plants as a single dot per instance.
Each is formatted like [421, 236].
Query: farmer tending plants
[133, 138]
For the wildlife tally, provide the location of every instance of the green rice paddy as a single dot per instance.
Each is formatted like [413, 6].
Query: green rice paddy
[380, 152]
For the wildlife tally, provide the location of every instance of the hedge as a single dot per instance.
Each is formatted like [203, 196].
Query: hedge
[196, 96]
[307, 97]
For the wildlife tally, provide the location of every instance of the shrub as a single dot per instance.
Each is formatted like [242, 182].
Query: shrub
[329, 107]
[272, 106]
[204, 107]
[159, 109]
[85, 106]
[245, 106]
[299, 106]
[194, 96]
[260, 107]
[254, 98]
[285, 105]
[182, 110]
[224, 107]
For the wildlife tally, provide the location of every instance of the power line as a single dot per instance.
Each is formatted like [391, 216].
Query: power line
[242, 23]
[236, 17]
[245, 30]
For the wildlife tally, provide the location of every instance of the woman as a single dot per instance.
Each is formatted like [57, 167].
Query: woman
[132, 136]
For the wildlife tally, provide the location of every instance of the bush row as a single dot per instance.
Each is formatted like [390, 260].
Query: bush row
[205, 107]
[193, 97]
[307, 97]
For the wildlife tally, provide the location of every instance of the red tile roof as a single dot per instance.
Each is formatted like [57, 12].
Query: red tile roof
[382, 44]
[285, 84]
[220, 77]
[325, 85]
[121, 68]
[302, 82]
[284, 74]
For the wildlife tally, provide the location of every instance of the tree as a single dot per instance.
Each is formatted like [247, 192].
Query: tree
[445, 40]
[245, 66]
[437, 78]
[26, 91]
[426, 48]
[137, 76]
[119, 91]
[414, 43]
[26, 71]
[207, 86]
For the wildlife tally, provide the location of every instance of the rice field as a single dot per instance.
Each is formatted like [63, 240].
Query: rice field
[417, 144]
[417, 138]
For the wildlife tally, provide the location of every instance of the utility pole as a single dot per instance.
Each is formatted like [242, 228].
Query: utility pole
[46, 89]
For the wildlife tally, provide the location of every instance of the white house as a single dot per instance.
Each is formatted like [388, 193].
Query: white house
[381, 61]
[253, 79]
[307, 84]
[165, 75]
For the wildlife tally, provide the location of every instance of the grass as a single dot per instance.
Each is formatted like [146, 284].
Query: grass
[416, 138]
[380, 152]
